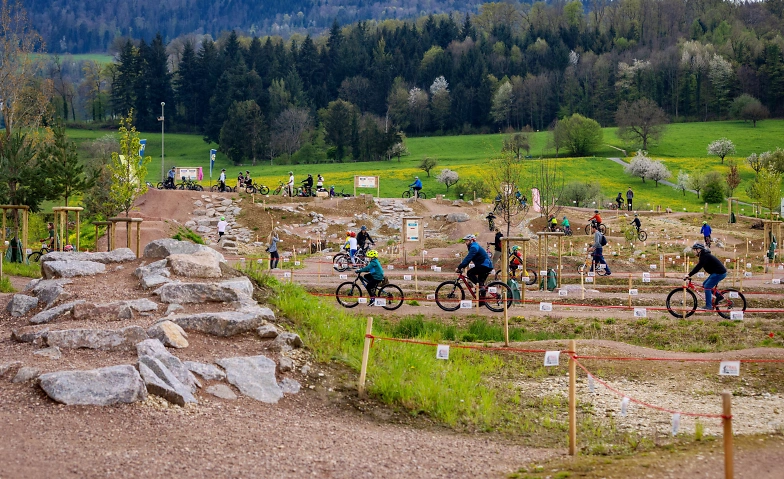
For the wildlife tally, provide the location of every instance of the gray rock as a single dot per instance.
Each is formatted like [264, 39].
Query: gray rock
[162, 248]
[49, 315]
[224, 323]
[142, 305]
[173, 307]
[457, 217]
[197, 265]
[199, 212]
[156, 267]
[51, 352]
[223, 292]
[254, 376]
[285, 364]
[71, 269]
[120, 255]
[149, 282]
[9, 368]
[21, 304]
[162, 382]
[168, 333]
[125, 312]
[222, 391]
[286, 342]
[290, 386]
[156, 349]
[226, 203]
[103, 339]
[48, 291]
[98, 387]
[305, 369]
[203, 229]
[25, 374]
[207, 371]
[29, 334]
[267, 331]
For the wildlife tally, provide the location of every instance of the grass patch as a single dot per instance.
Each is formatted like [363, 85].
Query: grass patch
[32, 270]
[186, 234]
[6, 286]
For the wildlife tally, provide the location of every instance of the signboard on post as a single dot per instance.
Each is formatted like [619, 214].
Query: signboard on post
[413, 230]
[367, 182]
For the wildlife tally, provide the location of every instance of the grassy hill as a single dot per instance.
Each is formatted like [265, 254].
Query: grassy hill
[682, 148]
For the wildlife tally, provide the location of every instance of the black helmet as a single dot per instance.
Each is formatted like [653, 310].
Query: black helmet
[698, 246]
[595, 211]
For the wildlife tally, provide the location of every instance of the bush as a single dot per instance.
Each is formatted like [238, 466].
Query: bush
[714, 188]
[186, 234]
[467, 187]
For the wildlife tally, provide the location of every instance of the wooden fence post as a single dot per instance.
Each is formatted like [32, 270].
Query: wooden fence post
[572, 398]
[365, 357]
[729, 467]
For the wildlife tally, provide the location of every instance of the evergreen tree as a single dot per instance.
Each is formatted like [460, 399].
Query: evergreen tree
[145, 114]
[63, 170]
[245, 134]
[158, 80]
[186, 83]
[126, 72]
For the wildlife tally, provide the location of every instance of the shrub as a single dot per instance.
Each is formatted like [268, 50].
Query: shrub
[467, 187]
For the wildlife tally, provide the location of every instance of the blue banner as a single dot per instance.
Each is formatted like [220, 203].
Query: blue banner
[212, 160]
[142, 144]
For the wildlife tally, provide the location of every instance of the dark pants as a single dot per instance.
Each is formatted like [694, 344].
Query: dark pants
[371, 284]
[416, 191]
[711, 282]
[478, 274]
[629, 203]
[274, 258]
[598, 258]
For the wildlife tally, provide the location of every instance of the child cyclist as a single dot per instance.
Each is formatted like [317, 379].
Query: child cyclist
[565, 224]
[374, 276]
[515, 260]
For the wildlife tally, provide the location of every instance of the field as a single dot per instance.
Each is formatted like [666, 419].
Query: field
[682, 148]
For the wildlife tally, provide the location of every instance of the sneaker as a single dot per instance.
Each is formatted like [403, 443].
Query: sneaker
[372, 302]
[703, 308]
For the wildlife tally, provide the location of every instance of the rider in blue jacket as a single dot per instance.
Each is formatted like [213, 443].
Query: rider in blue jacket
[482, 264]
[416, 185]
[705, 231]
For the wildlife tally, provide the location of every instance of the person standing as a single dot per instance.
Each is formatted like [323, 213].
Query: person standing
[352, 248]
[598, 244]
[497, 250]
[170, 178]
[290, 185]
[706, 231]
[319, 183]
[273, 250]
[222, 180]
[222, 224]
[629, 197]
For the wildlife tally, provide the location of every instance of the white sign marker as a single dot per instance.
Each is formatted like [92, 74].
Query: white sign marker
[589, 279]
[442, 351]
[776, 281]
[343, 276]
[437, 269]
[632, 292]
[729, 368]
[640, 313]
[287, 274]
[380, 302]
[736, 315]
[646, 280]
[411, 268]
[545, 306]
[296, 263]
[361, 300]
[747, 274]
[491, 290]
[701, 274]
[406, 277]
[465, 304]
[551, 358]
[390, 266]
[591, 386]
[734, 294]
[676, 423]
[562, 292]
[624, 406]
[431, 297]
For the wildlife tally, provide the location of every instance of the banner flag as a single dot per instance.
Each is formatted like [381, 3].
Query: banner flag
[212, 160]
[535, 198]
[142, 145]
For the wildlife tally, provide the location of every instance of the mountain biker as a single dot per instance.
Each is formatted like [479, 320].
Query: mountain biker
[705, 231]
[170, 178]
[273, 250]
[552, 223]
[222, 180]
[346, 243]
[565, 224]
[598, 257]
[595, 219]
[416, 185]
[307, 185]
[319, 183]
[491, 223]
[619, 200]
[363, 237]
[248, 180]
[497, 246]
[516, 260]
[715, 269]
[482, 264]
[332, 191]
[636, 222]
[374, 276]
[352, 247]
[290, 185]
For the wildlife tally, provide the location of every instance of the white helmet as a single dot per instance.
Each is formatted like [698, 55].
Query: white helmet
[469, 237]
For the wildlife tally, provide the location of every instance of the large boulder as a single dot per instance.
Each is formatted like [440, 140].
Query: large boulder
[239, 289]
[48, 291]
[114, 310]
[162, 382]
[254, 376]
[71, 269]
[197, 265]
[97, 387]
[30, 334]
[457, 217]
[21, 304]
[120, 255]
[223, 323]
[103, 339]
[207, 371]
[155, 349]
[163, 248]
[168, 333]
[49, 315]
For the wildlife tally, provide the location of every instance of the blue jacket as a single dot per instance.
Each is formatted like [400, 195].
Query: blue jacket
[416, 184]
[375, 269]
[478, 255]
[706, 230]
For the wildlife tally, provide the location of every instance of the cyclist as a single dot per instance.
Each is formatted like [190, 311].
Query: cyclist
[715, 269]
[170, 178]
[619, 200]
[290, 185]
[523, 201]
[552, 223]
[221, 180]
[363, 237]
[705, 231]
[352, 247]
[416, 185]
[346, 243]
[636, 222]
[595, 219]
[248, 180]
[307, 185]
[565, 224]
[491, 222]
[482, 265]
[374, 276]
[516, 260]
[598, 257]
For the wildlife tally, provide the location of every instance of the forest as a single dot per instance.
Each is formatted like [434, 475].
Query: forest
[354, 91]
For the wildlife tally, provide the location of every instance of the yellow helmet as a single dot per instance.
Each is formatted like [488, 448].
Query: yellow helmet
[372, 254]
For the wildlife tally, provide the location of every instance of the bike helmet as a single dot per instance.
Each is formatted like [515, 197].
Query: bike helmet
[699, 246]
[372, 254]
[363, 228]
[348, 233]
[353, 235]
[564, 217]
[416, 177]
[515, 248]
[469, 237]
[705, 222]
[595, 211]
[635, 215]
[291, 172]
[223, 219]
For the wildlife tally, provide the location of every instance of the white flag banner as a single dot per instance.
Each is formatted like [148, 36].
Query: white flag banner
[537, 202]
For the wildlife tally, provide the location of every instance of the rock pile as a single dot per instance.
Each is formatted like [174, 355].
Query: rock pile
[207, 213]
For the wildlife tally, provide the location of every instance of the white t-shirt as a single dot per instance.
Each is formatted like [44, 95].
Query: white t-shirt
[291, 180]
[352, 243]
[222, 226]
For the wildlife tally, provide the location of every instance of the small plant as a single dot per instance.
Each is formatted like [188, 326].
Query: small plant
[699, 431]
[413, 302]
[186, 234]
[32, 270]
[6, 286]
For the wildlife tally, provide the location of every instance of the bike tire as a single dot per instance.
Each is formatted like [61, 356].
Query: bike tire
[568, 233]
[214, 188]
[35, 256]
[588, 230]
[675, 304]
[180, 187]
[199, 188]
[393, 295]
[727, 304]
[406, 194]
[347, 294]
[422, 196]
[341, 262]
[264, 190]
[494, 301]
[447, 293]
[160, 185]
[276, 192]
[643, 236]
[250, 190]
[532, 277]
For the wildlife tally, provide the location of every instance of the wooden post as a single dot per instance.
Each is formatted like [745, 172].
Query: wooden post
[128, 234]
[729, 464]
[78, 231]
[416, 277]
[505, 279]
[506, 319]
[630, 290]
[365, 356]
[138, 238]
[582, 283]
[663, 265]
[319, 271]
[572, 398]
[525, 270]
[560, 254]
[96, 238]
[683, 313]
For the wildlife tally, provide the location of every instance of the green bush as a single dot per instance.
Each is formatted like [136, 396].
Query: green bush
[468, 186]
[186, 234]
[6, 286]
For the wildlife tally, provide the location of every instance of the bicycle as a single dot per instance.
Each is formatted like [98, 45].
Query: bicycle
[189, 185]
[411, 192]
[342, 261]
[602, 228]
[35, 256]
[613, 205]
[684, 298]
[491, 221]
[257, 188]
[632, 233]
[511, 272]
[280, 190]
[452, 291]
[348, 293]
[597, 267]
[164, 185]
[226, 189]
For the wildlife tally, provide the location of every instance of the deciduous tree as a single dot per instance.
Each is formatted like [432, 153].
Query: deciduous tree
[128, 168]
[581, 135]
[641, 121]
[721, 148]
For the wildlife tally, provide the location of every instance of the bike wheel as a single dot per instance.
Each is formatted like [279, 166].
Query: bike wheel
[199, 188]
[532, 276]
[159, 185]
[406, 194]
[348, 294]
[180, 186]
[642, 236]
[676, 303]
[588, 229]
[568, 232]
[422, 196]
[249, 190]
[600, 269]
[393, 295]
[263, 190]
[341, 262]
[495, 301]
[727, 304]
[276, 192]
[35, 256]
[448, 295]
[214, 188]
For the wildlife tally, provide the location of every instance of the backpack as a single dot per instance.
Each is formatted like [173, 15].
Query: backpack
[603, 241]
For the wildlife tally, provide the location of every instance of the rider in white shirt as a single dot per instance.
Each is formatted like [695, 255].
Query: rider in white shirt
[290, 184]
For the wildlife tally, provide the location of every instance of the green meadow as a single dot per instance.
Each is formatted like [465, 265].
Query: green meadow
[683, 147]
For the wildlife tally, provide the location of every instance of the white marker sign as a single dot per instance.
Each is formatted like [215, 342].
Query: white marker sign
[632, 292]
[545, 306]
[431, 296]
[465, 304]
[343, 276]
[646, 280]
[589, 279]
[624, 406]
[287, 274]
[411, 268]
[736, 315]
[380, 302]
[640, 313]
[296, 263]
[442, 351]
[437, 269]
[492, 290]
[701, 274]
[729, 368]
[562, 292]
[734, 294]
[361, 300]
[390, 266]
[676, 423]
[776, 281]
[747, 274]
[406, 277]
[551, 358]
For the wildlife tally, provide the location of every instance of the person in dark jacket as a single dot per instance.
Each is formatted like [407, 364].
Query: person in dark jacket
[636, 222]
[363, 237]
[715, 269]
[497, 246]
[482, 264]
